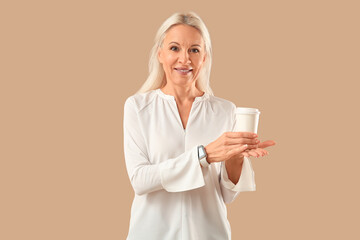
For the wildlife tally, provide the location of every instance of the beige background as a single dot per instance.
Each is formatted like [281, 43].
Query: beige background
[68, 66]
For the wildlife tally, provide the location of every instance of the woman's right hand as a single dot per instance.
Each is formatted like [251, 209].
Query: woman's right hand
[230, 144]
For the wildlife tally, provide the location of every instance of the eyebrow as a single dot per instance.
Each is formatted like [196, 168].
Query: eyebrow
[191, 45]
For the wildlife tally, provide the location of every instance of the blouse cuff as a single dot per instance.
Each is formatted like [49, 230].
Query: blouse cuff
[182, 173]
[246, 181]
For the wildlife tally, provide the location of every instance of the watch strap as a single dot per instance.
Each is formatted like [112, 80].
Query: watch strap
[204, 162]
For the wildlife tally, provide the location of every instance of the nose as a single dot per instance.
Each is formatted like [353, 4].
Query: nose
[184, 58]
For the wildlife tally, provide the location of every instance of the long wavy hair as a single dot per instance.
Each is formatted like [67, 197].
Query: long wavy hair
[157, 78]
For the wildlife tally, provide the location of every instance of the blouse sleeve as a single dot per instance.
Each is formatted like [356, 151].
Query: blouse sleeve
[247, 178]
[178, 174]
[246, 182]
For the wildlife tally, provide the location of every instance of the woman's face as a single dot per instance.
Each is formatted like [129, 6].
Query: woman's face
[182, 54]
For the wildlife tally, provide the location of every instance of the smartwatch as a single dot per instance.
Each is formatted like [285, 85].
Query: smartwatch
[202, 156]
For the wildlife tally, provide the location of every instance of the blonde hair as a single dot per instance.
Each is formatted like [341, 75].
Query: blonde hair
[156, 78]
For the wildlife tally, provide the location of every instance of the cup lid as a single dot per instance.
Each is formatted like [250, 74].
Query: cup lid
[243, 110]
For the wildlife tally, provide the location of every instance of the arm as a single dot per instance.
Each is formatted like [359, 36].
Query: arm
[237, 174]
[233, 169]
[177, 174]
[230, 188]
[241, 168]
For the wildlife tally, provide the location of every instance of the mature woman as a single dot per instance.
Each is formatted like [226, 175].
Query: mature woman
[183, 160]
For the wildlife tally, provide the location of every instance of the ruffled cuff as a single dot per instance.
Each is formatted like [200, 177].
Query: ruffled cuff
[182, 173]
[246, 181]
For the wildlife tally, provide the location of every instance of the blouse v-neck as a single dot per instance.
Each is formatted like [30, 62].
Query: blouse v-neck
[193, 105]
[171, 97]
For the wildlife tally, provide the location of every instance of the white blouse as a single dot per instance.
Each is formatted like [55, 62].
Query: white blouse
[175, 198]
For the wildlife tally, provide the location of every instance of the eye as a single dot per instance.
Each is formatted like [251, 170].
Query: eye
[195, 50]
[174, 48]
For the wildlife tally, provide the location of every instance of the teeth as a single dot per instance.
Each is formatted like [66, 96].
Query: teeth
[181, 70]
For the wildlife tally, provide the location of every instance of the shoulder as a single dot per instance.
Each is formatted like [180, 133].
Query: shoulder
[140, 101]
[222, 103]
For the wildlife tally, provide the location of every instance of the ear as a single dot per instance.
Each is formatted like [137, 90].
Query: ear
[205, 55]
[159, 56]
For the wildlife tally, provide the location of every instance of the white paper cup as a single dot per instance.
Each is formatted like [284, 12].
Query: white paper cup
[247, 119]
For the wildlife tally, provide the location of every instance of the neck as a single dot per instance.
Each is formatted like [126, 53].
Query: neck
[182, 94]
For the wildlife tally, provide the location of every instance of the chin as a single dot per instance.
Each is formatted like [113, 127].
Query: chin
[182, 81]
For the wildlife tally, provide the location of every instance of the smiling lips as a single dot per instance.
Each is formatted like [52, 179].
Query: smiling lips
[183, 71]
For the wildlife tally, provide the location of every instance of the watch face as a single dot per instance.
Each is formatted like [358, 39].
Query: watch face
[201, 152]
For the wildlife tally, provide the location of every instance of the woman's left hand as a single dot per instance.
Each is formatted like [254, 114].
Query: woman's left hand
[259, 151]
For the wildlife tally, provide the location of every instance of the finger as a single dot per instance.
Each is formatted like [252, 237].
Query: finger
[240, 140]
[238, 150]
[245, 154]
[264, 151]
[241, 134]
[259, 152]
[266, 144]
[252, 146]
[248, 141]
[252, 153]
[236, 146]
[255, 153]
[242, 149]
